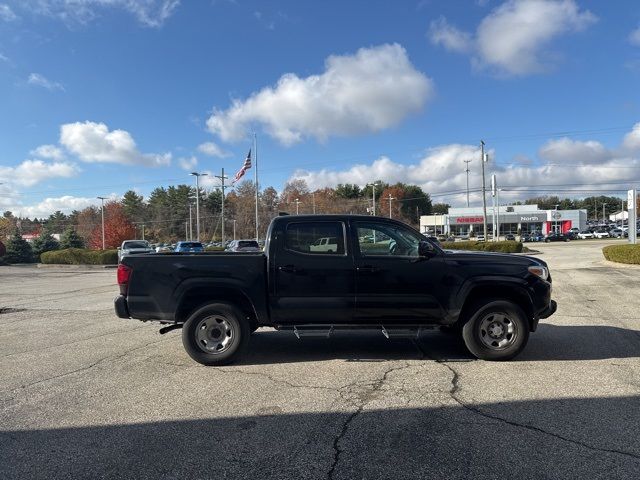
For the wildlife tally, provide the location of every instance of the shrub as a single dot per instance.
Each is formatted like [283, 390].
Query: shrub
[622, 253]
[503, 247]
[18, 250]
[80, 256]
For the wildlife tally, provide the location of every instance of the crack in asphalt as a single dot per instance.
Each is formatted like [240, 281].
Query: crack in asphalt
[276, 380]
[82, 369]
[72, 343]
[455, 388]
[375, 386]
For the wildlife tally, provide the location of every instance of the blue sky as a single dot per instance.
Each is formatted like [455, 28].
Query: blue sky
[100, 96]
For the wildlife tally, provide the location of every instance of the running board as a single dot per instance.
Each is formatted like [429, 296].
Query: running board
[326, 331]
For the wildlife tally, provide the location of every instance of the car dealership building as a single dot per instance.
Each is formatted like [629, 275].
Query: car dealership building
[511, 219]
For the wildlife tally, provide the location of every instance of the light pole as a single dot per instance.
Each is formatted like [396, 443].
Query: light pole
[222, 178]
[297, 206]
[143, 231]
[555, 217]
[483, 160]
[390, 198]
[234, 229]
[198, 175]
[467, 170]
[102, 199]
[373, 185]
[190, 222]
[604, 220]
[313, 198]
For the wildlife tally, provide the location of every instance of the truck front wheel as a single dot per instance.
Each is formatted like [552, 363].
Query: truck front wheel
[498, 330]
[216, 334]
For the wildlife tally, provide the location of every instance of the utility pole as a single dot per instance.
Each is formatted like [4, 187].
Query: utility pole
[102, 199]
[373, 185]
[198, 175]
[467, 170]
[555, 217]
[190, 222]
[390, 198]
[143, 231]
[313, 197]
[234, 229]
[297, 206]
[493, 194]
[222, 179]
[483, 160]
[622, 216]
[604, 220]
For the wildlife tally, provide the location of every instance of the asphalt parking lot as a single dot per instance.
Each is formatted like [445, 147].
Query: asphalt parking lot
[84, 394]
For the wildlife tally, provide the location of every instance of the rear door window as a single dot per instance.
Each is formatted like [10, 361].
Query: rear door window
[316, 238]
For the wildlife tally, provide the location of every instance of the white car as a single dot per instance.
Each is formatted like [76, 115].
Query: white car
[584, 235]
[129, 247]
[325, 244]
[601, 234]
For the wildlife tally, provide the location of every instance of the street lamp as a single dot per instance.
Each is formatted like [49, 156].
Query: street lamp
[373, 185]
[604, 220]
[555, 217]
[297, 206]
[102, 199]
[198, 175]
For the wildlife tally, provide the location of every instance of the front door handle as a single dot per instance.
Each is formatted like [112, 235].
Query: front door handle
[367, 269]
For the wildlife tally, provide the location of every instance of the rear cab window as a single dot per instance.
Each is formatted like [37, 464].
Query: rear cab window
[315, 238]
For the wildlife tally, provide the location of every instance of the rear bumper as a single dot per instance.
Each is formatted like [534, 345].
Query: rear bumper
[121, 307]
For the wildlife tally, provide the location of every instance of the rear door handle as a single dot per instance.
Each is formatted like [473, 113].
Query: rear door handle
[288, 269]
[367, 269]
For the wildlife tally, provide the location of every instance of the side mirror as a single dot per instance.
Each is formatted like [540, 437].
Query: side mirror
[425, 249]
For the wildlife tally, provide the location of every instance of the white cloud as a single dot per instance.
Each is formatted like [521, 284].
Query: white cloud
[514, 38]
[48, 151]
[213, 150]
[188, 164]
[150, 13]
[567, 150]
[41, 81]
[4, 58]
[6, 13]
[31, 172]
[371, 90]
[44, 208]
[564, 163]
[634, 37]
[442, 33]
[93, 142]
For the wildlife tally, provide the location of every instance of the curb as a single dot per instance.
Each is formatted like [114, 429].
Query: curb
[75, 267]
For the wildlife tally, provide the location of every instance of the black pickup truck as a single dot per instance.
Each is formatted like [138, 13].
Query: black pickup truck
[322, 273]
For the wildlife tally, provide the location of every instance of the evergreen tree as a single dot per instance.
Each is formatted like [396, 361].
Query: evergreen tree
[44, 243]
[18, 250]
[71, 239]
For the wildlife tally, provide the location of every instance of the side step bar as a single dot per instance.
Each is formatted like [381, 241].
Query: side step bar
[326, 331]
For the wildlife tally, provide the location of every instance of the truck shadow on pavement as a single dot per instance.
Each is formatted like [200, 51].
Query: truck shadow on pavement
[594, 438]
[548, 343]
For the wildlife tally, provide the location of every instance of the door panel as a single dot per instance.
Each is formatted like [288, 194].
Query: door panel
[314, 279]
[393, 284]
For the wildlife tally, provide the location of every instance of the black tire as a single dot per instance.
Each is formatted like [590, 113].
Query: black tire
[216, 334]
[502, 317]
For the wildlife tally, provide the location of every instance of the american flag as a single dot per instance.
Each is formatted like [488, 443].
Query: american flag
[246, 166]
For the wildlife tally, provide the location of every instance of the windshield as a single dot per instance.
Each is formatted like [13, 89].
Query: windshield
[191, 245]
[137, 244]
[248, 243]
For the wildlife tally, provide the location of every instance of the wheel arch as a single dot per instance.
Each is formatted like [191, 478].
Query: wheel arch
[197, 297]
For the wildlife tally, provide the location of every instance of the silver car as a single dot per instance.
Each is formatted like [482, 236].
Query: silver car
[243, 246]
[129, 247]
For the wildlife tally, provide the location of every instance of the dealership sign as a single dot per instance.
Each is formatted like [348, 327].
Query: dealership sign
[530, 218]
[469, 220]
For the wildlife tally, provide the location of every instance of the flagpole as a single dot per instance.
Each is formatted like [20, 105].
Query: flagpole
[255, 151]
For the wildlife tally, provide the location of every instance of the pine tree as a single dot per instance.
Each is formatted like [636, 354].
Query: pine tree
[18, 250]
[44, 243]
[71, 239]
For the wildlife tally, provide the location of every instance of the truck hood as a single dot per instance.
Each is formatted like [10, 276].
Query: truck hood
[494, 257]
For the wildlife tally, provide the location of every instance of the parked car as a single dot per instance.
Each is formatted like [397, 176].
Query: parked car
[324, 244]
[601, 234]
[243, 246]
[219, 300]
[575, 230]
[480, 238]
[510, 236]
[583, 235]
[129, 247]
[189, 247]
[556, 237]
[616, 233]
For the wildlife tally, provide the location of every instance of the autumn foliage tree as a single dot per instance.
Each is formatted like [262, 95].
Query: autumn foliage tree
[117, 227]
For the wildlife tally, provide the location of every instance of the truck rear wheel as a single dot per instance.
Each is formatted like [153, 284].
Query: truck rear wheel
[498, 330]
[216, 334]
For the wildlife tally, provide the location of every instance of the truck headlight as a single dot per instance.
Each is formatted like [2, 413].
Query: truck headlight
[540, 271]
